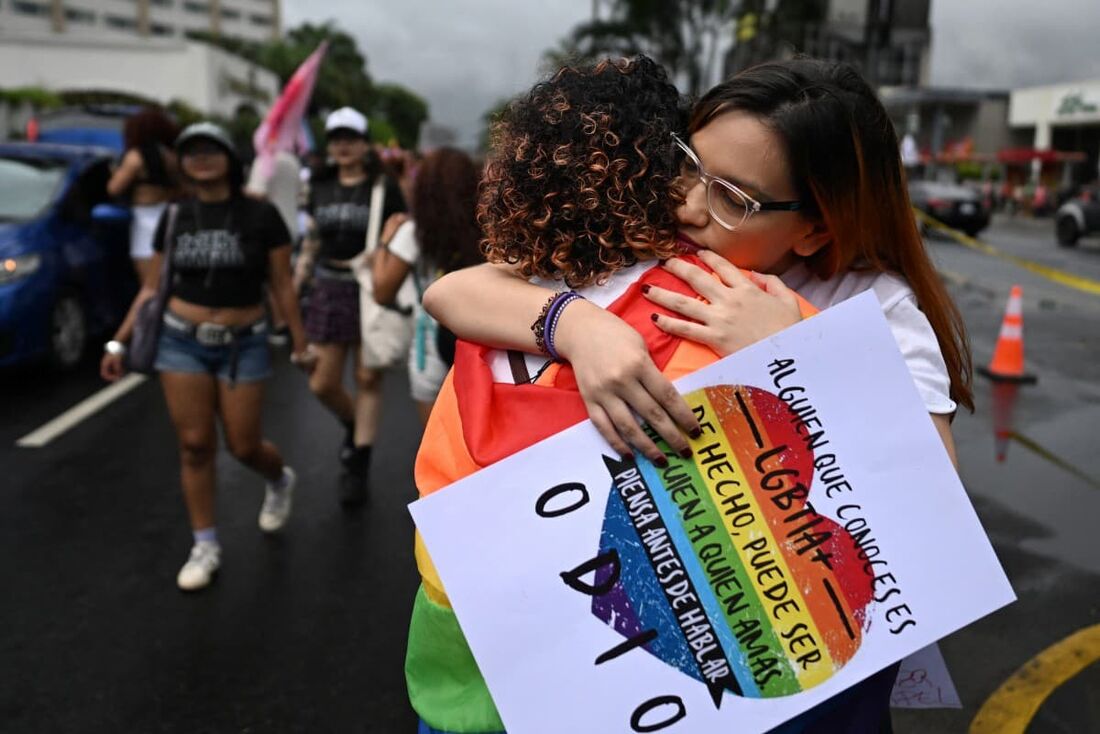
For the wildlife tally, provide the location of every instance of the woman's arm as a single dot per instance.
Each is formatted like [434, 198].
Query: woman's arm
[491, 305]
[111, 366]
[943, 427]
[126, 174]
[389, 270]
[311, 245]
[281, 285]
[488, 304]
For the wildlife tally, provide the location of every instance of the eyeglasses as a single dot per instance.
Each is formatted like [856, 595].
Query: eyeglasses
[728, 204]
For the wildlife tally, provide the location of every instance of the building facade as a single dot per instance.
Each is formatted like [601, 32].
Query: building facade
[889, 41]
[1061, 117]
[941, 118]
[252, 20]
[159, 70]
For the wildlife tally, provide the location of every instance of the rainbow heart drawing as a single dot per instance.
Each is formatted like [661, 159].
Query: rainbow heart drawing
[723, 569]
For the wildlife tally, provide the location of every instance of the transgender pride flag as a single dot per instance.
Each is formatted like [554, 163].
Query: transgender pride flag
[282, 129]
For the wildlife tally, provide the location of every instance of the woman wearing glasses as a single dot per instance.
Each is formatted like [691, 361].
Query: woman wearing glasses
[791, 172]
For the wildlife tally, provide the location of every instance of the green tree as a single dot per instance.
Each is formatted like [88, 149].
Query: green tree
[490, 117]
[343, 80]
[682, 35]
[403, 110]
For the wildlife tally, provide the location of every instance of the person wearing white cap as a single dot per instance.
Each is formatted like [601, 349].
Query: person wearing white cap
[223, 248]
[339, 208]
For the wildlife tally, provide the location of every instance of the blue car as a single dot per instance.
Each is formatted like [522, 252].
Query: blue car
[65, 276]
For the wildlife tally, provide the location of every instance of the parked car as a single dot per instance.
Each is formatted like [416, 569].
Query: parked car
[956, 206]
[64, 275]
[1078, 217]
[98, 125]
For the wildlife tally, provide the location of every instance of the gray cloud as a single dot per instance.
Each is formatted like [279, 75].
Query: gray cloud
[463, 56]
[1013, 43]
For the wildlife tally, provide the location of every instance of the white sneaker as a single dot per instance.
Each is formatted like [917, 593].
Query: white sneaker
[277, 503]
[200, 567]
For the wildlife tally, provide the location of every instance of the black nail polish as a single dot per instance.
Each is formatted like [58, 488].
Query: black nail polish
[653, 317]
[695, 432]
[686, 453]
[645, 288]
[661, 463]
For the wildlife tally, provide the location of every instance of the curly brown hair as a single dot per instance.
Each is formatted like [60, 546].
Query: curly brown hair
[580, 181]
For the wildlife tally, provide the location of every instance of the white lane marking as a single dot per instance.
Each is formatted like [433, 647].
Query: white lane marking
[86, 408]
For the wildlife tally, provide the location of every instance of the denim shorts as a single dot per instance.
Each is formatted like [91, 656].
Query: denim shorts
[177, 351]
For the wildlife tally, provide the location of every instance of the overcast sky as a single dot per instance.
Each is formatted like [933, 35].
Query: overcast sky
[464, 55]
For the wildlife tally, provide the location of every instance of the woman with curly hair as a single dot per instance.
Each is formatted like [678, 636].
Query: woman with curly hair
[791, 169]
[578, 193]
[443, 238]
[149, 175]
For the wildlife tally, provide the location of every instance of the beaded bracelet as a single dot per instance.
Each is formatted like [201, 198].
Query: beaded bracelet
[546, 325]
[539, 327]
[552, 318]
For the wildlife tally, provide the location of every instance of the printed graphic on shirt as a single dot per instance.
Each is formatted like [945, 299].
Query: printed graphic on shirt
[342, 215]
[208, 248]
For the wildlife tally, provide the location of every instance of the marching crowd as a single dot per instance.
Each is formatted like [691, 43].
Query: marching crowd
[214, 255]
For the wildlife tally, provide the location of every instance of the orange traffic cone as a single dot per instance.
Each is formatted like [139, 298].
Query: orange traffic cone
[1007, 364]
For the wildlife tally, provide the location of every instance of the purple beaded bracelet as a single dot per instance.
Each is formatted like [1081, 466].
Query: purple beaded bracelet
[553, 315]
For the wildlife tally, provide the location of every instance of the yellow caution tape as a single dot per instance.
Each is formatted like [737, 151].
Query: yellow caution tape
[1077, 282]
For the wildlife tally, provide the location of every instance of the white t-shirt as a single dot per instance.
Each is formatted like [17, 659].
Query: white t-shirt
[912, 331]
[404, 245]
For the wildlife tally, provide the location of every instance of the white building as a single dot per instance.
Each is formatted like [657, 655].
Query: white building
[160, 70]
[254, 20]
[1062, 117]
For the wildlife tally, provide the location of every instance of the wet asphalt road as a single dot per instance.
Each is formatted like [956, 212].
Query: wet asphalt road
[306, 632]
[300, 633]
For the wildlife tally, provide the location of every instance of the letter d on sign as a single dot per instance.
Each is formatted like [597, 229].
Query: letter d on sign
[573, 580]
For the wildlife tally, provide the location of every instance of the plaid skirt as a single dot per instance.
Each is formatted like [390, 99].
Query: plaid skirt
[332, 316]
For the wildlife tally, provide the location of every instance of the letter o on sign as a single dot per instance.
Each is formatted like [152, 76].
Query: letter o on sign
[549, 505]
[674, 714]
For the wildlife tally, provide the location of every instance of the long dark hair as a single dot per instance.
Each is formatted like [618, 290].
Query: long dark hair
[845, 163]
[444, 205]
[149, 125]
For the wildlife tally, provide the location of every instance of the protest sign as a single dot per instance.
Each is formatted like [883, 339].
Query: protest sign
[924, 682]
[817, 535]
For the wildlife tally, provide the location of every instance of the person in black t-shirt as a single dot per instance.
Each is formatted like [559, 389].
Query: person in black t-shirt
[213, 355]
[339, 210]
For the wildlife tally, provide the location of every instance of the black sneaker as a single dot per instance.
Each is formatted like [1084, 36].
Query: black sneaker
[347, 448]
[353, 488]
[354, 480]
